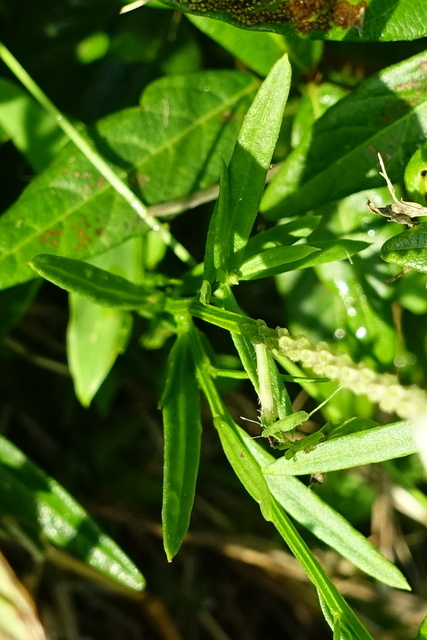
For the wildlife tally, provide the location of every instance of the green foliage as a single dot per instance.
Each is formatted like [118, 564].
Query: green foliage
[91, 221]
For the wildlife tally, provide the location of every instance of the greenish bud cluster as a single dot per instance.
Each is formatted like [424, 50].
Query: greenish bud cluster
[383, 389]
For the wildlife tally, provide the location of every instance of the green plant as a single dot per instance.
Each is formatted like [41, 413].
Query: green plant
[86, 223]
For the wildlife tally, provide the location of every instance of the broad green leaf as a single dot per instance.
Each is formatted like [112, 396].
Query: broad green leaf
[339, 156]
[33, 132]
[182, 433]
[47, 513]
[97, 285]
[243, 183]
[183, 123]
[307, 508]
[280, 259]
[408, 249]
[96, 335]
[364, 447]
[367, 20]
[317, 100]
[259, 50]
[18, 617]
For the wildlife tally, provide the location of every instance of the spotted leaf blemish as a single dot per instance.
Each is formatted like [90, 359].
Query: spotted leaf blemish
[303, 15]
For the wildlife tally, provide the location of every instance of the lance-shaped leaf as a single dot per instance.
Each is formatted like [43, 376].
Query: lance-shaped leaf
[182, 432]
[243, 181]
[97, 285]
[280, 259]
[363, 447]
[42, 508]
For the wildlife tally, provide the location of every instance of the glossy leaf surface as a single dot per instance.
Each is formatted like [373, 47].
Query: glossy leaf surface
[47, 512]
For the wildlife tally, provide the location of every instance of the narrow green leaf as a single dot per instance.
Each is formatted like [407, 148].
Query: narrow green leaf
[97, 285]
[340, 153]
[71, 210]
[280, 259]
[243, 184]
[363, 447]
[182, 432]
[47, 512]
[254, 149]
[219, 232]
[307, 508]
[238, 451]
[408, 249]
[273, 261]
[283, 234]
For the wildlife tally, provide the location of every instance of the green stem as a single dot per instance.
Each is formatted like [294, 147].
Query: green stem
[98, 162]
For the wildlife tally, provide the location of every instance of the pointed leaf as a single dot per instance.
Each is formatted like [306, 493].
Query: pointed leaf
[47, 512]
[95, 284]
[281, 259]
[182, 432]
[243, 183]
[273, 261]
[307, 508]
[363, 447]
